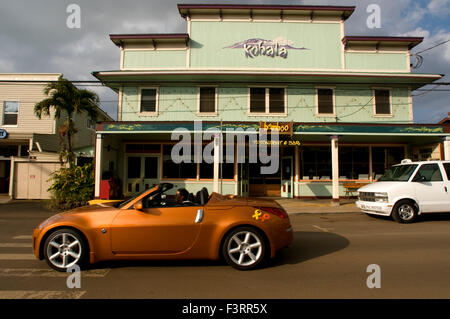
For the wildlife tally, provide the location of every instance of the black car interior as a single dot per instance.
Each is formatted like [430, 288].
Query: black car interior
[159, 199]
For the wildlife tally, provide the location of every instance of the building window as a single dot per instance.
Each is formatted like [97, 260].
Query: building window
[315, 163]
[385, 157]
[207, 100]
[90, 124]
[267, 101]
[10, 112]
[325, 101]
[181, 170]
[149, 100]
[382, 102]
[354, 162]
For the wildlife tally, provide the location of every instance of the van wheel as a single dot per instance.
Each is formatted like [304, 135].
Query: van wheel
[405, 211]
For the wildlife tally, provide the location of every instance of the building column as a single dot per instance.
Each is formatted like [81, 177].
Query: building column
[297, 171]
[335, 168]
[98, 163]
[217, 150]
[447, 148]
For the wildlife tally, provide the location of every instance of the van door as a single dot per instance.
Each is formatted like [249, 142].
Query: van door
[446, 167]
[429, 187]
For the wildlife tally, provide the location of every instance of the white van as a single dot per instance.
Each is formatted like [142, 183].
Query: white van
[407, 190]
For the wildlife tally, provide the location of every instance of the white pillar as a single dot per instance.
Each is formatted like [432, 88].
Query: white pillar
[217, 150]
[98, 163]
[335, 168]
[297, 171]
[447, 148]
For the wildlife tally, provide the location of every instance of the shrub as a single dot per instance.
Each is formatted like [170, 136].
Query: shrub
[72, 186]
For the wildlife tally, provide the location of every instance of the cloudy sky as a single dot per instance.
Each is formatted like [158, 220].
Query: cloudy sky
[35, 38]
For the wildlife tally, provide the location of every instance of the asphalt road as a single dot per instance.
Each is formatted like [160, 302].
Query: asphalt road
[328, 259]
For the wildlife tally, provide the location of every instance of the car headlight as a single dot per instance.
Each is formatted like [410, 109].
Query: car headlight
[381, 197]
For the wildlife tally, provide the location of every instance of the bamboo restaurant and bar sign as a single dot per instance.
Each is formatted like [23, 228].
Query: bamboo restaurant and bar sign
[341, 105]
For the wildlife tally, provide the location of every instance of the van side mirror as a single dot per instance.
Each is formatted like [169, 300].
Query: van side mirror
[138, 206]
[420, 179]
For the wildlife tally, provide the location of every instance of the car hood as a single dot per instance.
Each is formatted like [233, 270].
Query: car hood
[92, 212]
[381, 186]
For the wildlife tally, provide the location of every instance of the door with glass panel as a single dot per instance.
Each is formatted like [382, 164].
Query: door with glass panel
[286, 177]
[430, 189]
[142, 172]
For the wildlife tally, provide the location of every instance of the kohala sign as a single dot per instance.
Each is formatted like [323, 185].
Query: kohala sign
[261, 47]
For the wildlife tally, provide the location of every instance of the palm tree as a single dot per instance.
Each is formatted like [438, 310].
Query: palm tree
[66, 99]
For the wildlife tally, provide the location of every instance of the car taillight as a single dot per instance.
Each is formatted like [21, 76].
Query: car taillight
[275, 211]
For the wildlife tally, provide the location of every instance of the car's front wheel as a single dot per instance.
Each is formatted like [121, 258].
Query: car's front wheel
[64, 248]
[405, 211]
[245, 248]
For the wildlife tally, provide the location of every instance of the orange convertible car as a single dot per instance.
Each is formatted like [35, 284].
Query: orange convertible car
[152, 225]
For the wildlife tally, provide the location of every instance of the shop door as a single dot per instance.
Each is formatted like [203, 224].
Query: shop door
[151, 171]
[142, 172]
[243, 179]
[286, 177]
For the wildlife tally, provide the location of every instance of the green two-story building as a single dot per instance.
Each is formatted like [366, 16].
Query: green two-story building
[342, 104]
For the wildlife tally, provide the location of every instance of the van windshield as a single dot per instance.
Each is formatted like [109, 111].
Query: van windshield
[398, 173]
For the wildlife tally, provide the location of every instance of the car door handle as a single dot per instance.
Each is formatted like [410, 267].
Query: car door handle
[445, 187]
[199, 217]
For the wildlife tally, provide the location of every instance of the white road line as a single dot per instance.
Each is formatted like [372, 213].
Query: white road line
[321, 229]
[34, 294]
[17, 257]
[15, 245]
[23, 237]
[35, 272]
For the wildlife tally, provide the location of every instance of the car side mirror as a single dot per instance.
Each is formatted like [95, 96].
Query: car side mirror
[138, 206]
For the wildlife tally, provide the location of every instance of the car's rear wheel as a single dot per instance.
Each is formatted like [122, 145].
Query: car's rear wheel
[64, 248]
[405, 211]
[245, 248]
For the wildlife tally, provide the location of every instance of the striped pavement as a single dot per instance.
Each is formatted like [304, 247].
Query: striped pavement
[17, 251]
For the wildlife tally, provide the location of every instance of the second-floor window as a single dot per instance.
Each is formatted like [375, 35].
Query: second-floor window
[149, 100]
[10, 112]
[325, 101]
[207, 100]
[382, 102]
[267, 100]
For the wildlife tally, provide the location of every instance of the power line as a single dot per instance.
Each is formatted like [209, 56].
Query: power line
[432, 47]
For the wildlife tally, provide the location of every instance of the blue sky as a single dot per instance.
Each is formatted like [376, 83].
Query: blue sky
[35, 38]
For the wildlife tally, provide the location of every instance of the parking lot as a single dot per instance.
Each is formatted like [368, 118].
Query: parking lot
[328, 259]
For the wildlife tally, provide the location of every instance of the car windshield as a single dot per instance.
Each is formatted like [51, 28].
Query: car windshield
[122, 204]
[398, 173]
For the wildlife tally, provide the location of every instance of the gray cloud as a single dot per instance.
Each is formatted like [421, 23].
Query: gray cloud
[35, 38]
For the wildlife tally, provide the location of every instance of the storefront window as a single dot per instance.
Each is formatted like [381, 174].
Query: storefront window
[315, 162]
[354, 162]
[181, 170]
[385, 157]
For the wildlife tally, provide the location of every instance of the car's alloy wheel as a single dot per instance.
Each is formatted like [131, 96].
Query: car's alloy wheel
[404, 212]
[63, 249]
[244, 248]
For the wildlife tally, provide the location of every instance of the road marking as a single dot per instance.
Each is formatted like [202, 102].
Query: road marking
[35, 272]
[23, 237]
[34, 294]
[17, 257]
[15, 245]
[321, 229]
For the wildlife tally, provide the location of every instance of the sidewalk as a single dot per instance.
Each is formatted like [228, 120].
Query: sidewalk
[306, 206]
